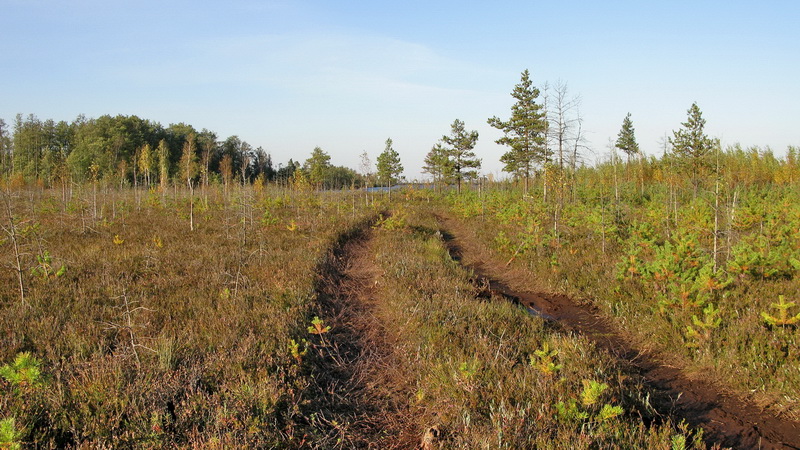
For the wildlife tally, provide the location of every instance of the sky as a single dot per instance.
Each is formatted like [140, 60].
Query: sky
[291, 75]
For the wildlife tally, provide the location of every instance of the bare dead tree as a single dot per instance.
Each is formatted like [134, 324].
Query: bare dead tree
[579, 147]
[564, 119]
[564, 125]
[547, 135]
[11, 229]
[128, 327]
[366, 172]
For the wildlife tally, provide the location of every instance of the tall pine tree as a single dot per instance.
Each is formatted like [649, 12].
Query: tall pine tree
[691, 145]
[459, 152]
[524, 131]
[626, 140]
[318, 165]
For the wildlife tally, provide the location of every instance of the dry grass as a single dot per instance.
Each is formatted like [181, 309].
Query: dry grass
[160, 336]
[157, 336]
[468, 360]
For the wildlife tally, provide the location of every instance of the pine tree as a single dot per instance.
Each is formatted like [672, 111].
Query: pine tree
[691, 144]
[626, 140]
[459, 152]
[437, 164]
[317, 166]
[524, 131]
[784, 318]
[388, 165]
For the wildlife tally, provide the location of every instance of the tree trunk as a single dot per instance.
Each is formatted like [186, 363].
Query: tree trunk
[716, 221]
[11, 231]
[544, 181]
[191, 206]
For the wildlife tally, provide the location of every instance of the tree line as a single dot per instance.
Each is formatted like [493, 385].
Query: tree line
[543, 134]
[127, 148]
[132, 151]
[138, 152]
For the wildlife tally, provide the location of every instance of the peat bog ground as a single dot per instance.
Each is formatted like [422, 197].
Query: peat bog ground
[312, 328]
[725, 418]
[361, 404]
[355, 403]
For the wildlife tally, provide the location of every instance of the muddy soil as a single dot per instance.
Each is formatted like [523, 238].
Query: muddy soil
[726, 418]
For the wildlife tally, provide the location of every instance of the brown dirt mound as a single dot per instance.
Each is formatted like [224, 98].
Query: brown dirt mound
[726, 418]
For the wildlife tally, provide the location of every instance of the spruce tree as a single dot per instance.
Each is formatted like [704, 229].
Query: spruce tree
[524, 131]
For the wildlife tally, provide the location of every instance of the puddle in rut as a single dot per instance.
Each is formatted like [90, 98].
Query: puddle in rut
[538, 313]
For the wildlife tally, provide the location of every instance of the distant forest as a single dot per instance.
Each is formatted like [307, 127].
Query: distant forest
[132, 151]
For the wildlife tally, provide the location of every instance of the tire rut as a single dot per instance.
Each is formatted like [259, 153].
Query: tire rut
[354, 402]
[726, 419]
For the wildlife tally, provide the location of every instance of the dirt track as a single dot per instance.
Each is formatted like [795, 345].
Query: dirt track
[356, 366]
[355, 373]
[727, 419]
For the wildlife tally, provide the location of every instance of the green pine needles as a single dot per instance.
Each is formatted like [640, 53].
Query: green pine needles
[525, 132]
[704, 327]
[545, 360]
[626, 139]
[24, 372]
[589, 410]
[389, 166]
[783, 319]
[298, 349]
[592, 392]
[10, 437]
[44, 268]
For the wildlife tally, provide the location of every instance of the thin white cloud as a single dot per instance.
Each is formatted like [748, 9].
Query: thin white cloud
[356, 65]
[291, 92]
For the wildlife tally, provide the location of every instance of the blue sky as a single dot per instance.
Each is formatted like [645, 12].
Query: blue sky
[345, 75]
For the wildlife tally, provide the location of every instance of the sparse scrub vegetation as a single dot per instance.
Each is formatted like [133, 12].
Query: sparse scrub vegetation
[222, 303]
[692, 266]
[216, 338]
[487, 373]
[156, 336]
